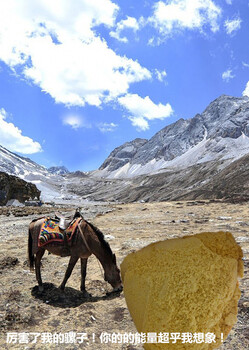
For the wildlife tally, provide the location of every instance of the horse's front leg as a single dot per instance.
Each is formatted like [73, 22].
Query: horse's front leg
[73, 260]
[83, 277]
[38, 257]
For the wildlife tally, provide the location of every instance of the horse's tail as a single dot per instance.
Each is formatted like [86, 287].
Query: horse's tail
[30, 255]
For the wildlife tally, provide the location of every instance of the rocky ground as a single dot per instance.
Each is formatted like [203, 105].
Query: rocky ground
[127, 227]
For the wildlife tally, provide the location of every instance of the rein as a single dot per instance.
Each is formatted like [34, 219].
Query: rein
[84, 239]
[83, 236]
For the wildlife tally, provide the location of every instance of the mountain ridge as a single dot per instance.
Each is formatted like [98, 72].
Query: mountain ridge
[221, 125]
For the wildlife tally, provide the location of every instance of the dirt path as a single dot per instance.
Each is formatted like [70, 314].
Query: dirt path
[127, 228]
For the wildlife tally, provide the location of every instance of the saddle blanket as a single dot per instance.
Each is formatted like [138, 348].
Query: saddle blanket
[50, 232]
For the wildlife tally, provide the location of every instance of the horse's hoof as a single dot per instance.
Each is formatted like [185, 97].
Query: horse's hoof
[85, 294]
[41, 288]
[119, 289]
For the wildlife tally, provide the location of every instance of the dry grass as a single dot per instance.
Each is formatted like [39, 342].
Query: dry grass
[128, 227]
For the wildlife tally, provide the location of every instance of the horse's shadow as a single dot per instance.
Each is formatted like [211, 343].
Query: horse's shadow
[69, 298]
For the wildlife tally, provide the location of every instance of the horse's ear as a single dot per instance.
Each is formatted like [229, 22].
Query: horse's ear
[114, 258]
[77, 213]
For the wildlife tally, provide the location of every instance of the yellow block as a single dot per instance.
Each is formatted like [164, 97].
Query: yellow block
[184, 285]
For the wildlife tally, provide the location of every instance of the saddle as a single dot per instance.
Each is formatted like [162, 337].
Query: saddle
[66, 220]
[59, 229]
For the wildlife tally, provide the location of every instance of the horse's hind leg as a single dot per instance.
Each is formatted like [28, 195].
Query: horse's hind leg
[83, 277]
[73, 260]
[38, 257]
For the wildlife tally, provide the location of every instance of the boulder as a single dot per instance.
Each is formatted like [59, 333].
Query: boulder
[12, 187]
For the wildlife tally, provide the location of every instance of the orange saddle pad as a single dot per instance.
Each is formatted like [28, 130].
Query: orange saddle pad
[50, 232]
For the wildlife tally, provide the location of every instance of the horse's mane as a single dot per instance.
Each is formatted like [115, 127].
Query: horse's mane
[101, 237]
[41, 217]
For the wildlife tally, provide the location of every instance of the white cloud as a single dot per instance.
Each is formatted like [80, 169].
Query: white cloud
[75, 121]
[246, 91]
[160, 74]
[233, 25]
[140, 123]
[11, 137]
[176, 15]
[227, 75]
[229, 2]
[128, 23]
[245, 64]
[143, 109]
[151, 41]
[55, 45]
[107, 127]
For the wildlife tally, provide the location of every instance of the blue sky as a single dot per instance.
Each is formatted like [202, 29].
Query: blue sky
[79, 78]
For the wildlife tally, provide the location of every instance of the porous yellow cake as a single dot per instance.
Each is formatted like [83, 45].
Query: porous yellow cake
[184, 285]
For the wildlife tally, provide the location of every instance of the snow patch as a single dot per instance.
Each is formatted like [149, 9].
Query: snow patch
[206, 150]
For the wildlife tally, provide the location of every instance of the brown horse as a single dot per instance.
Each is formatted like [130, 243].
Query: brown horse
[86, 240]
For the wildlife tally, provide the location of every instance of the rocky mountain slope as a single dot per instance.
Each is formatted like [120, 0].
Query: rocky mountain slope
[209, 180]
[123, 155]
[14, 164]
[12, 187]
[221, 132]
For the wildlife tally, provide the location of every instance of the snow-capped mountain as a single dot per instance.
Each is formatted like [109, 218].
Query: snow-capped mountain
[23, 167]
[49, 184]
[59, 170]
[221, 132]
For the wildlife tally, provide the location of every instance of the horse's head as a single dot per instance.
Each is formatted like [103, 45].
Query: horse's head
[112, 275]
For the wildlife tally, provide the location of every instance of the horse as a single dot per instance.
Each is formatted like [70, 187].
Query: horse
[87, 240]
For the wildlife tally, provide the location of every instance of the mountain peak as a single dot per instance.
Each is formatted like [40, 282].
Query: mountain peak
[123, 154]
[221, 131]
[59, 170]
